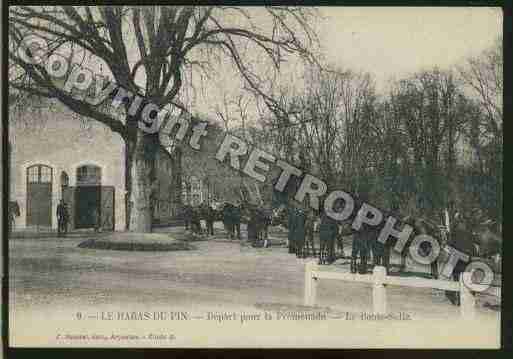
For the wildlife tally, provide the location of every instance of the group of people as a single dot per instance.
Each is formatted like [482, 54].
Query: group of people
[194, 214]
[301, 226]
[231, 214]
[366, 247]
[474, 235]
[258, 221]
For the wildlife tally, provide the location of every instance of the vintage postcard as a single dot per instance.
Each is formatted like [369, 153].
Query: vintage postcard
[254, 177]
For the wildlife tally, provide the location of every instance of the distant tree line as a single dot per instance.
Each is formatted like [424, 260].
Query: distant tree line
[433, 141]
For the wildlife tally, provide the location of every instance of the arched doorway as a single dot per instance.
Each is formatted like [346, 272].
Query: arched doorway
[39, 195]
[88, 196]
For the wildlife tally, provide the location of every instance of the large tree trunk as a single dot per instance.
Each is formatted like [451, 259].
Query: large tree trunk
[140, 181]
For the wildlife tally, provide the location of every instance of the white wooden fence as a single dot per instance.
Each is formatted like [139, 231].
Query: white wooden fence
[378, 279]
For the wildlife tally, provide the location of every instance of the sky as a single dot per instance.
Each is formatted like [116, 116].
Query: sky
[387, 42]
[394, 41]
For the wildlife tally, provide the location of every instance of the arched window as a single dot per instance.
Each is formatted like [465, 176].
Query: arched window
[39, 174]
[64, 179]
[89, 175]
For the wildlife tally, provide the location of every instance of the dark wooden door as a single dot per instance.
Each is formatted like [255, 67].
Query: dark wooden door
[39, 204]
[87, 206]
[39, 195]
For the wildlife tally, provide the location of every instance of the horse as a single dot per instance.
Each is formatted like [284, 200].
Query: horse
[231, 218]
[426, 227]
[339, 245]
[258, 220]
[279, 217]
[382, 252]
[210, 215]
[488, 244]
[195, 220]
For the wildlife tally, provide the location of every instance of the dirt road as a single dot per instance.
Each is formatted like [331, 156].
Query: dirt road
[51, 277]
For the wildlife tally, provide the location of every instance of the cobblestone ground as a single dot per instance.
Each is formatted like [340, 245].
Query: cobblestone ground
[52, 274]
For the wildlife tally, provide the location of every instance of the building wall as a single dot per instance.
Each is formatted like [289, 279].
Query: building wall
[58, 138]
[196, 190]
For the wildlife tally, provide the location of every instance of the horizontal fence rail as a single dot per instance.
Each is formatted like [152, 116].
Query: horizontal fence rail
[379, 279]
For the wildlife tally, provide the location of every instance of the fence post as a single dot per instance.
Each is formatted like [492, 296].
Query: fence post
[467, 299]
[379, 295]
[310, 283]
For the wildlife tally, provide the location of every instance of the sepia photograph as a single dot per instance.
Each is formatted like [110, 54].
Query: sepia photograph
[253, 176]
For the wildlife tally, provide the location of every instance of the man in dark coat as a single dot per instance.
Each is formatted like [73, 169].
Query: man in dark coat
[362, 240]
[187, 212]
[328, 231]
[266, 215]
[381, 251]
[252, 224]
[231, 219]
[62, 218]
[390, 243]
[237, 215]
[291, 212]
[14, 211]
[309, 233]
[228, 219]
[461, 240]
[300, 232]
[196, 220]
[210, 216]
[97, 220]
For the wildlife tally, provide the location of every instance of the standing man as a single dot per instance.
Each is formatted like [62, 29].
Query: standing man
[267, 215]
[97, 220]
[361, 242]
[196, 220]
[62, 218]
[291, 209]
[14, 211]
[236, 217]
[187, 213]
[228, 219]
[300, 232]
[387, 247]
[210, 216]
[309, 233]
[252, 224]
[461, 240]
[328, 231]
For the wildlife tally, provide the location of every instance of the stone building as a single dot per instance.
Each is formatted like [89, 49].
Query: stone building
[55, 154]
